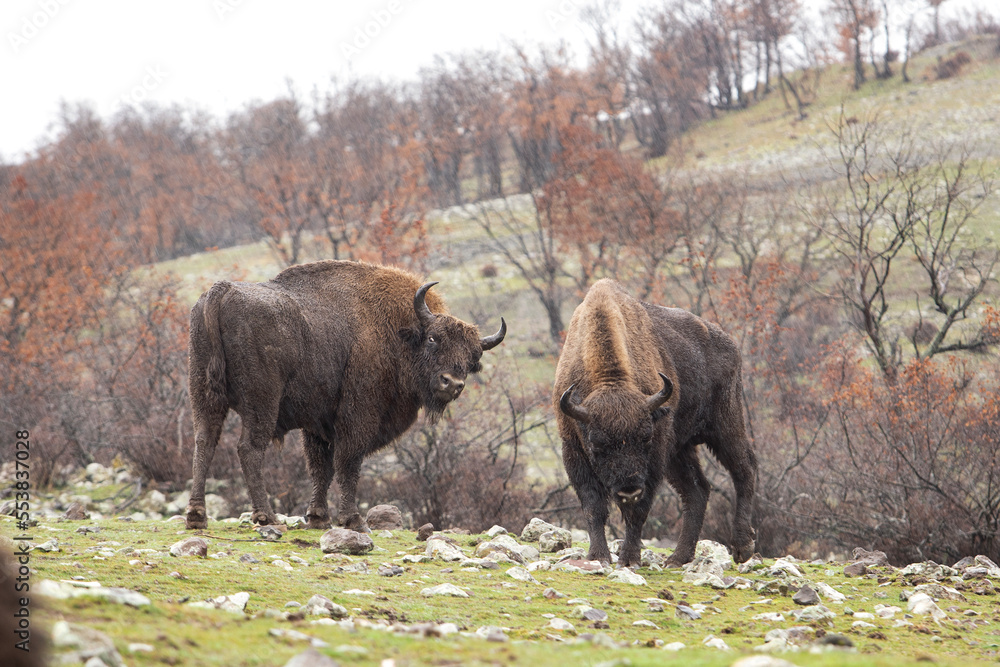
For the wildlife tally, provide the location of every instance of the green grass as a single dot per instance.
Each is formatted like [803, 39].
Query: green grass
[184, 635]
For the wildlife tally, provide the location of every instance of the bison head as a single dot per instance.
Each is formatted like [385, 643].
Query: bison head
[617, 425]
[448, 350]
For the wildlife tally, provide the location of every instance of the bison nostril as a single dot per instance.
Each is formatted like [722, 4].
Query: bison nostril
[451, 383]
[630, 495]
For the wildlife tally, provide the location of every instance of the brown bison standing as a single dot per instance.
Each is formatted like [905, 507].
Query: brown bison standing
[348, 352]
[638, 387]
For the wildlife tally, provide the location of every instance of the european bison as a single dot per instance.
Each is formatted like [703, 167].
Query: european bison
[638, 387]
[346, 351]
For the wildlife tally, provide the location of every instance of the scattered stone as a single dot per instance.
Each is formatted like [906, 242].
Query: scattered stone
[496, 530]
[712, 641]
[870, 558]
[814, 613]
[83, 530]
[283, 565]
[535, 528]
[425, 531]
[248, 558]
[941, 592]
[686, 613]
[387, 570]
[561, 624]
[295, 635]
[76, 512]
[384, 517]
[190, 546]
[311, 658]
[770, 617]
[674, 646]
[342, 540]
[806, 596]
[552, 594]
[834, 639]
[589, 613]
[783, 567]
[921, 604]
[627, 576]
[234, 604]
[855, 570]
[136, 647]
[318, 605]
[492, 633]
[521, 574]
[49, 546]
[444, 589]
[270, 533]
[755, 562]
[552, 541]
[829, 592]
[77, 644]
[357, 591]
[643, 623]
[62, 590]
[444, 549]
[714, 552]
[928, 569]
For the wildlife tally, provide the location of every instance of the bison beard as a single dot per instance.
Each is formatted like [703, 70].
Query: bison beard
[638, 387]
[346, 351]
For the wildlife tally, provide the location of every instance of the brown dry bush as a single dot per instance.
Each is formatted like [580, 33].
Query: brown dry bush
[467, 470]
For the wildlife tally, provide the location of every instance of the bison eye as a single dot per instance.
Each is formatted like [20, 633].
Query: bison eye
[432, 339]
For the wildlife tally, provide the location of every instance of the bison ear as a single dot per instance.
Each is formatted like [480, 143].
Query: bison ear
[410, 336]
[660, 413]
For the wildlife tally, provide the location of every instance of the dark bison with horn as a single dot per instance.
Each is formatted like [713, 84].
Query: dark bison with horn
[346, 351]
[638, 388]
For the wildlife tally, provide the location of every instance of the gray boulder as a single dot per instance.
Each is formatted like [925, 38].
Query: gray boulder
[342, 540]
[384, 517]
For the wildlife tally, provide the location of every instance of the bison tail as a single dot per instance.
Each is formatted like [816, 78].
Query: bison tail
[215, 369]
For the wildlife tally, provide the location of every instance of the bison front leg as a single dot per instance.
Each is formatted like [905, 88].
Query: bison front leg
[686, 477]
[634, 515]
[593, 499]
[348, 472]
[319, 461]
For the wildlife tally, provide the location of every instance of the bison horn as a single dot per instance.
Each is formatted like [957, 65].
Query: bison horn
[660, 397]
[490, 342]
[571, 409]
[424, 313]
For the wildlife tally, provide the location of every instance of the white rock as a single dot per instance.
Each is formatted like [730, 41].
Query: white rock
[829, 593]
[769, 616]
[535, 528]
[496, 530]
[521, 574]
[921, 604]
[673, 646]
[444, 589]
[715, 552]
[627, 576]
[446, 551]
[712, 641]
[643, 623]
[560, 624]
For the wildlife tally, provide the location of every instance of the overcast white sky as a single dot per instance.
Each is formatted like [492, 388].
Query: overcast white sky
[217, 55]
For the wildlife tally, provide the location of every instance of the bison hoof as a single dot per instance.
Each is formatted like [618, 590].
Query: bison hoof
[318, 522]
[744, 553]
[355, 523]
[678, 559]
[196, 518]
[603, 556]
[262, 518]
